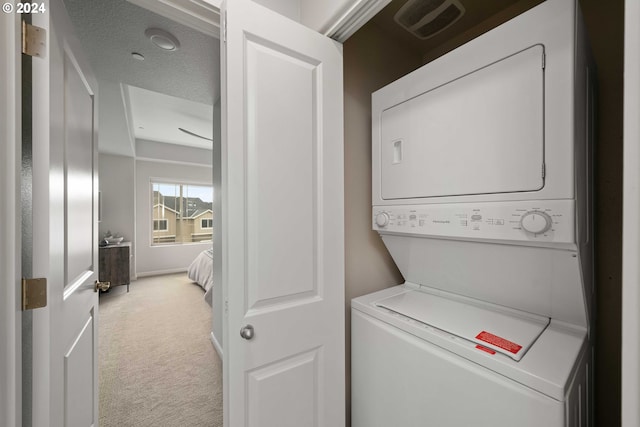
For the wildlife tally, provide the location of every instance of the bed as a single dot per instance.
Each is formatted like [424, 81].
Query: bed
[201, 272]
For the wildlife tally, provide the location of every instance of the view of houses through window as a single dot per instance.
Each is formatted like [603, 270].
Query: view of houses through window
[182, 213]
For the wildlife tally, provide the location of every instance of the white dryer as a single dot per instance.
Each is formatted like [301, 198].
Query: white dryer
[482, 195]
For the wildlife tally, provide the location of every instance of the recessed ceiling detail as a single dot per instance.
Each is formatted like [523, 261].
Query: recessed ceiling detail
[188, 132]
[157, 117]
[426, 18]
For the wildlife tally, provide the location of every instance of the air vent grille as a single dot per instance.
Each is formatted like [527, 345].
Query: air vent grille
[413, 11]
[426, 18]
[442, 21]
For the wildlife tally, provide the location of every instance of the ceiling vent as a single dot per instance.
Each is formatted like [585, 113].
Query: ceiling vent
[426, 18]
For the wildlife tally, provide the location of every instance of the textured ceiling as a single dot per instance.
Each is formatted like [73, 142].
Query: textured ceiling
[110, 30]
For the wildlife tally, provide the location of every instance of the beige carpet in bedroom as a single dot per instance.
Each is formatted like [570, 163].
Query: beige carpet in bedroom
[157, 365]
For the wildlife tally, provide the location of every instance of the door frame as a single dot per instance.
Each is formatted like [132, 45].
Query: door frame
[631, 220]
[10, 226]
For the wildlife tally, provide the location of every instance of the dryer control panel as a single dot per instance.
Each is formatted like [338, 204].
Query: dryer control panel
[549, 221]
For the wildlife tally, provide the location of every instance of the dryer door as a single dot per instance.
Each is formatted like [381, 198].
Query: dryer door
[481, 133]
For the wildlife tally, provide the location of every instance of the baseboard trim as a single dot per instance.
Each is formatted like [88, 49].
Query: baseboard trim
[161, 272]
[216, 345]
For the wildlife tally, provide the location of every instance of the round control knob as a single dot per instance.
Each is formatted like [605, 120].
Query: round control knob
[382, 219]
[535, 222]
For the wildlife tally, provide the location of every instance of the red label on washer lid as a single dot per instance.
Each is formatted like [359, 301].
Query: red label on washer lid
[488, 350]
[499, 342]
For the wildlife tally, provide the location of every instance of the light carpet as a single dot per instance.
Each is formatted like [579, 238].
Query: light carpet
[157, 365]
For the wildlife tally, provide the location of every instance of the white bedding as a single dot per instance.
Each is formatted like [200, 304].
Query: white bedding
[201, 272]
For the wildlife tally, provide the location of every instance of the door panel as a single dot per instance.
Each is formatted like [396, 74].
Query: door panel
[281, 110]
[78, 376]
[282, 234]
[284, 393]
[78, 153]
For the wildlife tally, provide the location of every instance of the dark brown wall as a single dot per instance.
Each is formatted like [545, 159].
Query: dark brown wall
[371, 61]
[605, 25]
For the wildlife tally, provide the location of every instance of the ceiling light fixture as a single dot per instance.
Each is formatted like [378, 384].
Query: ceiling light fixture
[138, 56]
[195, 134]
[163, 39]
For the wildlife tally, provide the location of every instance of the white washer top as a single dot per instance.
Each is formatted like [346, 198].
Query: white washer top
[547, 366]
[493, 328]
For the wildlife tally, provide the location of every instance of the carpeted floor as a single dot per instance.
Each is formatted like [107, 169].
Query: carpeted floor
[157, 365]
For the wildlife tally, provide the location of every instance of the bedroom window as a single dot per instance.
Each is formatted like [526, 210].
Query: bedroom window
[181, 213]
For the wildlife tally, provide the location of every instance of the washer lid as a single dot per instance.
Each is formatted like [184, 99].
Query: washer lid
[492, 327]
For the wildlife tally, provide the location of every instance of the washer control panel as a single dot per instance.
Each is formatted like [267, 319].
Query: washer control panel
[544, 221]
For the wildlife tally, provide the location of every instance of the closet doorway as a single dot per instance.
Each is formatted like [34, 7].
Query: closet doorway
[158, 92]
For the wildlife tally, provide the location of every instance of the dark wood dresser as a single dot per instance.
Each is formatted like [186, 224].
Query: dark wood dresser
[113, 264]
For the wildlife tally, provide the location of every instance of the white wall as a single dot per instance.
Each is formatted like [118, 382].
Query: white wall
[112, 117]
[167, 258]
[117, 178]
[172, 153]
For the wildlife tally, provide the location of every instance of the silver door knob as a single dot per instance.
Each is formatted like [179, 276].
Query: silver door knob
[247, 332]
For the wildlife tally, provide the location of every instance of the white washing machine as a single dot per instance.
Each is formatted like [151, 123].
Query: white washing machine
[482, 195]
[455, 366]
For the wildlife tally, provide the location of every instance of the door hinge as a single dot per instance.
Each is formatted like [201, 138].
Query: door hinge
[34, 40]
[226, 306]
[544, 171]
[544, 60]
[34, 293]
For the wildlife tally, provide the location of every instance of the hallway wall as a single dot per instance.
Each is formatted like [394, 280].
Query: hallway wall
[116, 178]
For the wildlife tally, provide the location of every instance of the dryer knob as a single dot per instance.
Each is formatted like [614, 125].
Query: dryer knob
[382, 219]
[535, 222]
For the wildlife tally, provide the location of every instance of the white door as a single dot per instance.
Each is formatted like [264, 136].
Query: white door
[283, 237]
[64, 228]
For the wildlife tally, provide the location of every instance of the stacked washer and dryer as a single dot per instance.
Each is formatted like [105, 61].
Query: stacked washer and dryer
[482, 194]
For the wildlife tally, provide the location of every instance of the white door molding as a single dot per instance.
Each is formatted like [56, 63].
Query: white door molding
[10, 229]
[631, 220]
[354, 17]
[201, 15]
[337, 19]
